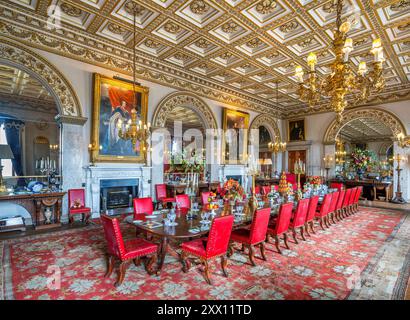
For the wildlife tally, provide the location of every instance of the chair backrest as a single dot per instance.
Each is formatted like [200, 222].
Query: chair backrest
[333, 203]
[266, 189]
[275, 187]
[340, 200]
[259, 225]
[204, 197]
[283, 220]
[76, 195]
[182, 201]
[347, 197]
[160, 191]
[219, 234]
[313, 201]
[299, 217]
[257, 190]
[358, 193]
[113, 236]
[336, 185]
[142, 207]
[352, 196]
[291, 178]
[324, 208]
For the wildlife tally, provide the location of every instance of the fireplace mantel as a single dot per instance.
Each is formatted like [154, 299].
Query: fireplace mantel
[96, 173]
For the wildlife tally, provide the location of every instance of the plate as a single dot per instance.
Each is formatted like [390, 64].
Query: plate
[137, 221]
[205, 221]
[239, 214]
[173, 224]
[151, 216]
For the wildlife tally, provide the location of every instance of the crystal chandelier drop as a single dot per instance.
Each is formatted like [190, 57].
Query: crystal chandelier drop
[277, 146]
[342, 81]
[135, 130]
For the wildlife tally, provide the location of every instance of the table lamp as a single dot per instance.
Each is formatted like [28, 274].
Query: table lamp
[5, 153]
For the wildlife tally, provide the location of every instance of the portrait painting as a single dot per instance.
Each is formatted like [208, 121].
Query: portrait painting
[235, 137]
[296, 130]
[112, 108]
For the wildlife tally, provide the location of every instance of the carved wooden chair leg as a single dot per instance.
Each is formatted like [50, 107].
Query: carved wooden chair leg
[312, 227]
[307, 228]
[230, 250]
[137, 261]
[321, 223]
[251, 254]
[262, 247]
[185, 262]
[224, 264]
[110, 266]
[121, 273]
[302, 234]
[294, 236]
[267, 238]
[285, 239]
[277, 244]
[206, 271]
[243, 248]
[333, 217]
[150, 264]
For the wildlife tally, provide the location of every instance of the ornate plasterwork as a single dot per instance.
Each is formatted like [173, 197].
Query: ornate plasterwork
[183, 99]
[16, 55]
[386, 117]
[268, 122]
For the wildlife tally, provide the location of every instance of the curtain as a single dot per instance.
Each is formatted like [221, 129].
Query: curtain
[12, 130]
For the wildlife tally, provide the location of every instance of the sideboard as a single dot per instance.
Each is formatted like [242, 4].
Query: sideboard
[44, 208]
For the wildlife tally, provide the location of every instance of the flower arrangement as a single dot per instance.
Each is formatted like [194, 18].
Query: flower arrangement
[315, 180]
[187, 163]
[233, 190]
[363, 159]
[211, 197]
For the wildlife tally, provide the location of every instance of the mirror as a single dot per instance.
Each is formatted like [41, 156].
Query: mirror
[27, 126]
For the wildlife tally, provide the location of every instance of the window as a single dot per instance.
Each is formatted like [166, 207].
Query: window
[6, 163]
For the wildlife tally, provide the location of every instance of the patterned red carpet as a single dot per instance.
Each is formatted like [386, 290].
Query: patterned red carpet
[326, 266]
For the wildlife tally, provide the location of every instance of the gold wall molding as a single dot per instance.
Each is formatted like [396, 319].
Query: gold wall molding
[14, 54]
[269, 122]
[183, 99]
[388, 118]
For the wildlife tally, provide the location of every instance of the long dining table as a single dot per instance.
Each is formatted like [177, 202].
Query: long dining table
[186, 228]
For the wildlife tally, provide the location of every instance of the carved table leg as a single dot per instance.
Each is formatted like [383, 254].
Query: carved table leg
[162, 253]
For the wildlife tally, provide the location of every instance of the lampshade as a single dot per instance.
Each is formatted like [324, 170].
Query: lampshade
[5, 152]
[267, 162]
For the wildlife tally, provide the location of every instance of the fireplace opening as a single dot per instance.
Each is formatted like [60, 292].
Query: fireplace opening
[117, 195]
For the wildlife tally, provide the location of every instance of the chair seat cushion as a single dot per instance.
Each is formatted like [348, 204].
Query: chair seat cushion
[138, 247]
[79, 210]
[241, 235]
[196, 247]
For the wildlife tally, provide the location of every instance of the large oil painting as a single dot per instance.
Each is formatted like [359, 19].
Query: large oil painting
[296, 130]
[235, 137]
[113, 104]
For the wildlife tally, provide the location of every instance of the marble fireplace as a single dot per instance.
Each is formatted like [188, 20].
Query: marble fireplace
[119, 182]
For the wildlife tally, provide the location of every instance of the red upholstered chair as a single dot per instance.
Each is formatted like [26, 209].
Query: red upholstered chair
[161, 194]
[206, 249]
[322, 214]
[291, 178]
[253, 236]
[257, 190]
[182, 201]
[313, 201]
[266, 190]
[76, 205]
[204, 197]
[346, 203]
[142, 207]
[351, 200]
[299, 218]
[336, 185]
[339, 205]
[357, 197]
[332, 207]
[125, 251]
[275, 187]
[280, 225]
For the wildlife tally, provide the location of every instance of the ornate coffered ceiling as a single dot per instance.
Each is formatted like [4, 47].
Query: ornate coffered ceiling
[16, 85]
[366, 129]
[234, 51]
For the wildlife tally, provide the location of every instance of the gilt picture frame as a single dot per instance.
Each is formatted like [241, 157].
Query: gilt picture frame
[296, 130]
[112, 103]
[235, 120]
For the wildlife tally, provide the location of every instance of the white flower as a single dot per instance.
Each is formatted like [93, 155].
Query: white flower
[261, 271]
[221, 292]
[324, 254]
[81, 285]
[173, 289]
[128, 287]
[37, 282]
[319, 293]
[302, 271]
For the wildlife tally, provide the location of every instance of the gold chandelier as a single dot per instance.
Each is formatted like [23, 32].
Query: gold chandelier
[134, 130]
[342, 80]
[277, 147]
